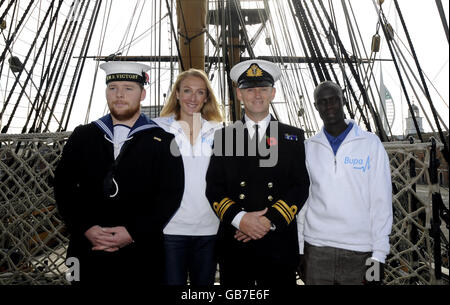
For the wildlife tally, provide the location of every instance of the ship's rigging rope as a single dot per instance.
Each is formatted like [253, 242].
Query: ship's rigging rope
[8, 44]
[76, 24]
[368, 73]
[247, 42]
[293, 92]
[49, 102]
[298, 89]
[349, 86]
[105, 23]
[128, 27]
[399, 54]
[314, 50]
[443, 19]
[375, 116]
[387, 34]
[185, 30]
[244, 33]
[427, 93]
[337, 53]
[170, 12]
[402, 65]
[6, 127]
[50, 55]
[83, 54]
[434, 79]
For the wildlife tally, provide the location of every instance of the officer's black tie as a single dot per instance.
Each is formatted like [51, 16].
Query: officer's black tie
[256, 126]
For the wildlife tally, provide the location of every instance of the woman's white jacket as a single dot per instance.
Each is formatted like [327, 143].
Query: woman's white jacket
[195, 216]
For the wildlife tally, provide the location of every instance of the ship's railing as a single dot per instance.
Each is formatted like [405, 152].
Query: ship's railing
[419, 238]
[33, 238]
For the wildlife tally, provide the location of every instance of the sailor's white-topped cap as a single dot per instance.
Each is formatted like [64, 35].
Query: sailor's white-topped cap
[125, 71]
[255, 73]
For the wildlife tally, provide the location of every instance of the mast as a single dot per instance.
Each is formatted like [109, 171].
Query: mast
[191, 16]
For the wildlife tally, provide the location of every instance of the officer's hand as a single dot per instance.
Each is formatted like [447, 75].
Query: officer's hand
[251, 226]
[100, 238]
[265, 221]
[242, 237]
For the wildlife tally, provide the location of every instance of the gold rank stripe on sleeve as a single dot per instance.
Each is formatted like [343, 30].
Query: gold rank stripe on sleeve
[285, 210]
[222, 207]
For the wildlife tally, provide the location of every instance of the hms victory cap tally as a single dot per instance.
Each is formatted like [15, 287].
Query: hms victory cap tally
[255, 73]
[125, 71]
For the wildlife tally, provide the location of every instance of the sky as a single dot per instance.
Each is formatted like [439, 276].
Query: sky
[421, 17]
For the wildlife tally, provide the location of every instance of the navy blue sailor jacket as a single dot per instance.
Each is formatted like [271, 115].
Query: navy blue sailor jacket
[274, 176]
[141, 189]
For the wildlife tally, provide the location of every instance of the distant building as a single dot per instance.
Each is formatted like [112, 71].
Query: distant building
[411, 131]
[410, 128]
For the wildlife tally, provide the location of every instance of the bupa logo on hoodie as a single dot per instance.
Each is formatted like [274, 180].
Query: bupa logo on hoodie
[358, 164]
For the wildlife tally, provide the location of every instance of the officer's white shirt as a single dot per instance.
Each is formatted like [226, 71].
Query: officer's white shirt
[249, 123]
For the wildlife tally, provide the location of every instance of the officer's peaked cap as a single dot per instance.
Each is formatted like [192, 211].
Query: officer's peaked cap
[255, 73]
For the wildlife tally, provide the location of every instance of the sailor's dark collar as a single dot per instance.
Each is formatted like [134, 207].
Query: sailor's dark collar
[106, 125]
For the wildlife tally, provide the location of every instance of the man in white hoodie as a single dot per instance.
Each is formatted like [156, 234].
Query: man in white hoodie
[348, 215]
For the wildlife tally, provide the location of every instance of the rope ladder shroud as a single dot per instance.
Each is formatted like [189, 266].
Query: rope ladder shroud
[33, 239]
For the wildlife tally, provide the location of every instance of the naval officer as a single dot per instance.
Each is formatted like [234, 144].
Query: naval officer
[256, 183]
[117, 185]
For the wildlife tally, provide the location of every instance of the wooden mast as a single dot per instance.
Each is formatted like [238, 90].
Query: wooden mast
[191, 16]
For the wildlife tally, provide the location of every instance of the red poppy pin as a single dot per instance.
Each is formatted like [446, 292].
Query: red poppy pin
[145, 78]
[271, 141]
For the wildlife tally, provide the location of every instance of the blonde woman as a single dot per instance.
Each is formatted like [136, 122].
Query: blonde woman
[192, 114]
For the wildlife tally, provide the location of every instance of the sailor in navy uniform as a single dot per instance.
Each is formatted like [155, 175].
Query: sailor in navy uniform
[117, 184]
[257, 191]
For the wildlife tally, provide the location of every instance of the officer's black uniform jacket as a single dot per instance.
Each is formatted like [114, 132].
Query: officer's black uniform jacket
[238, 183]
[150, 182]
